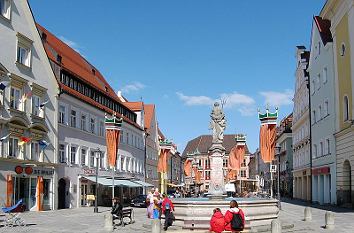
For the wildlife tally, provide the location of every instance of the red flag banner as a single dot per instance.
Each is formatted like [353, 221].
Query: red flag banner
[236, 157]
[39, 196]
[112, 141]
[162, 163]
[197, 175]
[188, 167]
[267, 138]
[9, 190]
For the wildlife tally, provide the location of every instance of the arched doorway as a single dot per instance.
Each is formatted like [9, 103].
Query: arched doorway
[62, 194]
[347, 181]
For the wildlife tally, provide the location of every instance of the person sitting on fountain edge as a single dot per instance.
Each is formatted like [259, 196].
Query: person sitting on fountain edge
[217, 222]
[117, 208]
[234, 218]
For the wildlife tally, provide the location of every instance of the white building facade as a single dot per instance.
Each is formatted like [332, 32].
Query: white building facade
[85, 99]
[322, 90]
[28, 112]
[301, 129]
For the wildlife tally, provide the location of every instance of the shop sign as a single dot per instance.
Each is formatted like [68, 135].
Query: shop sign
[33, 171]
[89, 171]
[321, 171]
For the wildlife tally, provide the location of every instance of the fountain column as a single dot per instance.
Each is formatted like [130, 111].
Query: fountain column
[217, 152]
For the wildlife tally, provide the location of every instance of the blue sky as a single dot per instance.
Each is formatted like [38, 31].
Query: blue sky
[182, 55]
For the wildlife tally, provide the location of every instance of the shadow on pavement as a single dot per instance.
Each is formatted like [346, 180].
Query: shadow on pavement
[335, 209]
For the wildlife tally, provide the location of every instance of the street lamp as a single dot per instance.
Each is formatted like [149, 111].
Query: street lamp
[277, 151]
[97, 156]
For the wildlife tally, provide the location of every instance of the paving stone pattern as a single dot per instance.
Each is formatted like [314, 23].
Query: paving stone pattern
[83, 220]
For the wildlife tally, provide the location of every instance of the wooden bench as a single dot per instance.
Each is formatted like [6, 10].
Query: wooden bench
[126, 213]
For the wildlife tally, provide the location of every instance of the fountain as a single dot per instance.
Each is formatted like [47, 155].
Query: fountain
[195, 213]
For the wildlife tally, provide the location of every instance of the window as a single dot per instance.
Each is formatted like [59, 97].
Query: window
[73, 154]
[342, 50]
[5, 8]
[127, 138]
[83, 122]
[102, 160]
[35, 151]
[73, 118]
[321, 149]
[243, 173]
[62, 111]
[15, 98]
[314, 116]
[318, 81]
[319, 112]
[324, 75]
[83, 157]
[121, 136]
[319, 47]
[207, 175]
[92, 125]
[122, 164]
[101, 131]
[328, 146]
[92, 159]
[225, 163]
[326, 108]
[313, 87]
[24, 51]
[36, 102]
[13, 147]
[346, 108]
[62, 156]
[315, 150]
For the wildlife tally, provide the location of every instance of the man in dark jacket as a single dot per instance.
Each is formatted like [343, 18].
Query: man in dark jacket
[117, 208]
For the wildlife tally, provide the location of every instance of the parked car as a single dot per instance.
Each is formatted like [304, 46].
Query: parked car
[139, 201]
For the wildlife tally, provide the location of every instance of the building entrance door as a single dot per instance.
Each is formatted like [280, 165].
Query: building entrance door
[62, 194]
[25, 189]
[84, 189]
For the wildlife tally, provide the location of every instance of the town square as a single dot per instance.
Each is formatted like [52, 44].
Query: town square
[176, 116]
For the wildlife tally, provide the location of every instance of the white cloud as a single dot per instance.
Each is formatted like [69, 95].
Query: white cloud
[71, 44]
[277, 99]
[244, 104]
[195, 100]
[236, 99]
[248, 111]
[135, 86]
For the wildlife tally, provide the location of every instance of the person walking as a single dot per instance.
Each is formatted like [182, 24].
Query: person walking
[217, 222]
[167, 210]
[234, 218]
[150, 204]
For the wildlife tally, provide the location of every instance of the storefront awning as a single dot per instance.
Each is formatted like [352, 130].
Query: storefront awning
[108, 182]
[143, 183]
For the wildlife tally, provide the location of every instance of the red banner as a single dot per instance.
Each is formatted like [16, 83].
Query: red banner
[267, 138]
[112, 141]
[188, 167]
[162, 163]
[9, 190]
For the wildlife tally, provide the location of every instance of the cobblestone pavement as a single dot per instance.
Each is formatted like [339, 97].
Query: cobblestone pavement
[293, 212]
[84, 220]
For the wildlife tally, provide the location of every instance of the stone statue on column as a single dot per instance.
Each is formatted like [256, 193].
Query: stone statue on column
[217, 123]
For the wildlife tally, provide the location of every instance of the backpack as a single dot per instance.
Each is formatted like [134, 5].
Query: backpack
[167, 206]
[236, 222]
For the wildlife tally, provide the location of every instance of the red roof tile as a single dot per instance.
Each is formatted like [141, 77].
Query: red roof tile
[134, 106]
[149, 111]
[75, 63]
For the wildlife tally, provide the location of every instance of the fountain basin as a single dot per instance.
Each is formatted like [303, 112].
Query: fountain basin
[195, 213]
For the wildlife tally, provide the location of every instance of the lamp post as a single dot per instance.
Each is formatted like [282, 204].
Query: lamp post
[97, 156]
[277, 151]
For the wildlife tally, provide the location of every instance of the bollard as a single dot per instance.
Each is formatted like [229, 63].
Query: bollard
[156, 226]
[329, 218]
[307, 214]
[108, 222]
[276, 226]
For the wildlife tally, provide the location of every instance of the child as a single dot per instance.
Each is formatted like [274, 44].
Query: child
[217, 222]
[234, 217]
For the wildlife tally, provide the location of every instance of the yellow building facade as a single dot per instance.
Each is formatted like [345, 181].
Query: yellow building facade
[341, 15]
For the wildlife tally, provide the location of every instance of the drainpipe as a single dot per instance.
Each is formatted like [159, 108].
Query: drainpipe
[310, 118]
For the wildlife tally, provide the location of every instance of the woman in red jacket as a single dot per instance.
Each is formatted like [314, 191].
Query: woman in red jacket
[217, 222]
[167, 210]
[234, 210]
